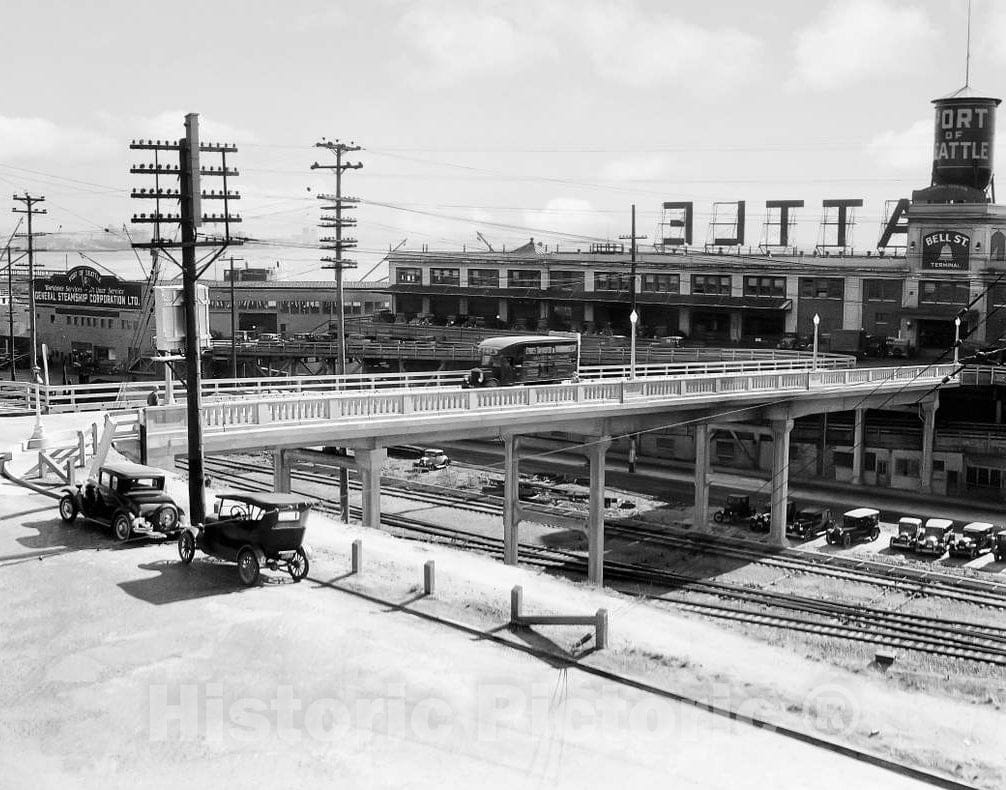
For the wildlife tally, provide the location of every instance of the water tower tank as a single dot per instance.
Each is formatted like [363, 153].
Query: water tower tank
[964, 139]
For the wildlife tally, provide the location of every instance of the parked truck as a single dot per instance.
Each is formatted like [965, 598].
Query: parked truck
[855, 342]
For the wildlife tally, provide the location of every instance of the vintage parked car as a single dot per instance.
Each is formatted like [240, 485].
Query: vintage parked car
[863, 523]
[999, 546]
[127, 497]
[809, 522]
[432, 458]
[255, 530]
[762, 522]
[908, 533]
[976, 538]
[737, 508]
[935, 537]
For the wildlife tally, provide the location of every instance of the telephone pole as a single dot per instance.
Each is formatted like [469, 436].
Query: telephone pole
[38, 434]
[338, 244]
[335, 220]
[189, 196]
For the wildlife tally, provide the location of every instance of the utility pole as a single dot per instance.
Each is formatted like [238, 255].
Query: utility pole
[189, 197]
[10, 310]
[338, 244]
[234, 324]
[38, 434]
[633, 320]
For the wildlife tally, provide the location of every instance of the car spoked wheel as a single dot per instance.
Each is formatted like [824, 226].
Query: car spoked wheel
[122, 527]
[299, 565]
[248, 567]
[846, 540]
[186, 547]
[68, 508]
[875, 534]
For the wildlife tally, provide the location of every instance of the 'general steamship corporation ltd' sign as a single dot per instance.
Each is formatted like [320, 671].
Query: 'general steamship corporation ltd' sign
[84, 286]
[946, 249]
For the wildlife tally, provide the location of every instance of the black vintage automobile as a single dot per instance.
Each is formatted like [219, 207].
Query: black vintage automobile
[128, 497]
[863, 523]
[976, 538]
[737, 508]
[255, 530]
[809, 522]
[999, 545]
[762, 522]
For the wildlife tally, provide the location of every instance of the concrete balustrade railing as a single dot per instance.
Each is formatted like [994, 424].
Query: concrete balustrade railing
[246, 423]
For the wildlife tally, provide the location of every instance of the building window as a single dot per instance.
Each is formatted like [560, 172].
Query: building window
[445, 277]
[52, 318]
[612, 281]
[662, 283]
[984, 477]
[67, 320]
[822, 288]
[938, 465]
[765, 286]
[521, 278]
[842, 460]
[882, 290]
[869, 462]
[906, 467]
[998, 252]
[566, 281]
[941, 292]
[711, 284]
[407, 275]
[483, 278]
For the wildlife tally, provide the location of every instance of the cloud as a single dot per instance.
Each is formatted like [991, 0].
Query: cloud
[620, 43]
[564, 217]
[455, 42]
[989, 44]
[170, 125]
[910, 149]
[38, 137]
[640, 48]
[856, 40]
[638, 168]
[325, 19]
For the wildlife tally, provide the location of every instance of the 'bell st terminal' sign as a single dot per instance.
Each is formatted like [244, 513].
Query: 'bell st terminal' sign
[946, 249]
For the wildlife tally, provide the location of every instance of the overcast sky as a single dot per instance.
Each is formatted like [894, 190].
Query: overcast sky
[516, 119]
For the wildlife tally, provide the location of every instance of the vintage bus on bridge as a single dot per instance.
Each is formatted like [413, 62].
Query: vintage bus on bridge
[525, 359]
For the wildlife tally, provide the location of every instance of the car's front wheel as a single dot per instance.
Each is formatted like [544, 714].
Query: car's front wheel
[248, 567]
[186, 547]
[718, 516]
[68, 508]
[875, 534]
[299, 565]
[122, 527]
[847, 540]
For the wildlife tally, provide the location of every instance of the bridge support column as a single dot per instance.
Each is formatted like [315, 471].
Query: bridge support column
[700, 513]
[780, 479]
[858, 443]
[511, 498]
[369, 464]
[928, 440]
[281, 471]
[596, 452]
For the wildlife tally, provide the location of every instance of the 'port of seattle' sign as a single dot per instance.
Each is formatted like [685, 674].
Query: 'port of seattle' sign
[946, 249]
[84, 286]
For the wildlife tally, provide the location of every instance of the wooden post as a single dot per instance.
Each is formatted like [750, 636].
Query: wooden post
[601, 629]
[357, 555]
[516, 598]
[429, 577]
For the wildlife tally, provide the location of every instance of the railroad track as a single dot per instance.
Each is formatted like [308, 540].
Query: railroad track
[850, 622]
[910, 581]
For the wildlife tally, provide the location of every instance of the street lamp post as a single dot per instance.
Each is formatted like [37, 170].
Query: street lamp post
[817, 323]
[633, 319]
[957, 340]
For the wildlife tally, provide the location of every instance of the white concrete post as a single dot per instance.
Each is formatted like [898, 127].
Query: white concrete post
[369, 465]
[281, 471]
[700, 512]
[858, 442]
[928, 439]
[511, 499]
[780, 479]
[596, 452]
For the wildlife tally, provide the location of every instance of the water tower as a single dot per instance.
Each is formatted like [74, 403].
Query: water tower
[963, 146]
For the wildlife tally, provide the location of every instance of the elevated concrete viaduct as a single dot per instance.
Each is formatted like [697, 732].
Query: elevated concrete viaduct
[597, 411]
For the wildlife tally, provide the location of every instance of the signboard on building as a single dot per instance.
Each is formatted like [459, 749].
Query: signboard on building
[946, 249]
[84, 286]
